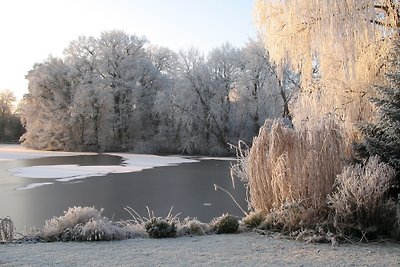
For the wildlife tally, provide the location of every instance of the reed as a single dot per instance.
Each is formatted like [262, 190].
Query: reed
[287, 165]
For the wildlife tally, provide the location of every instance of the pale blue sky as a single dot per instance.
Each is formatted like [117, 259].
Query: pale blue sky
[33, 29]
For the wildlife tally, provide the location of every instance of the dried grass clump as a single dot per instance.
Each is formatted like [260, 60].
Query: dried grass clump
[286, 165]
[81, 224]
[360, 201]
[6, 229]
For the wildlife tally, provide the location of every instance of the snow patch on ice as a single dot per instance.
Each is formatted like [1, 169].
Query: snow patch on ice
[147, 161]
[67, 173]
[34, 185]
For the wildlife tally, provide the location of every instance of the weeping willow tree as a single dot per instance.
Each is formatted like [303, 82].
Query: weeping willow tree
[338, 46]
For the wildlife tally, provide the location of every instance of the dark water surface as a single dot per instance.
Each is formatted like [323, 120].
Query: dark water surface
[188, 187]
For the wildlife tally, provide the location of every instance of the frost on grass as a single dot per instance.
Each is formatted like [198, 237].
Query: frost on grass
[88, 224]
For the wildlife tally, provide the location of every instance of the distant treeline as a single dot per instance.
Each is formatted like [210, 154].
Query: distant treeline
[118, 92]
[11, 128]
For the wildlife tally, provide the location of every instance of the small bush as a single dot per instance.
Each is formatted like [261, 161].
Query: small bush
[253, 219]
[360, 201]
[318, 234]
[132, 230]
[226, 224]
[160, 228]
[98, 230]
[290, 217]
[192, 227]
[6, 229]
[81, 224]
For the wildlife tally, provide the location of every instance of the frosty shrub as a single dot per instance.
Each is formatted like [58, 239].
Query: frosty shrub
[155, 227]
[190, 226]
[360, 200]
[6, 229]
[99, 230]
[253, 219]
[81, 224]
[286, 165]
[226, 224]
[160, 228]
[288, 218]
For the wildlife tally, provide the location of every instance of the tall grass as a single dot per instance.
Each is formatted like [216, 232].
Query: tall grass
[286, 165]
[297, 179]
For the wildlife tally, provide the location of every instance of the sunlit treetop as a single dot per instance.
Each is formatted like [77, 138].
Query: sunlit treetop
[342, 35]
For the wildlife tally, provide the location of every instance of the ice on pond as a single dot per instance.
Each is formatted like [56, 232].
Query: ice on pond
[67, 173]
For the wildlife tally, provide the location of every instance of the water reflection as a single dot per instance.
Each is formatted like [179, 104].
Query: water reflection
[187, 187]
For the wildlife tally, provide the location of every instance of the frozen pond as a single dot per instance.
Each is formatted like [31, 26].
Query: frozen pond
[36, 189]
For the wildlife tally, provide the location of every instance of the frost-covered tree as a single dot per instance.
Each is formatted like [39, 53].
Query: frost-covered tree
[123, 65]
[345, 40]
[223, 98]
[91, 113]
[167, 132]
[296, 31]
[99, 97]
[44, 109]
[225, 65]
[10, 124]
[202, 94]
[7, 100]
[192, 96]
[256, 92]
[382, 137]
[116, 92]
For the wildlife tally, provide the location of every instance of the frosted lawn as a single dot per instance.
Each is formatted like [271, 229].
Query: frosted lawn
[67, 173]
